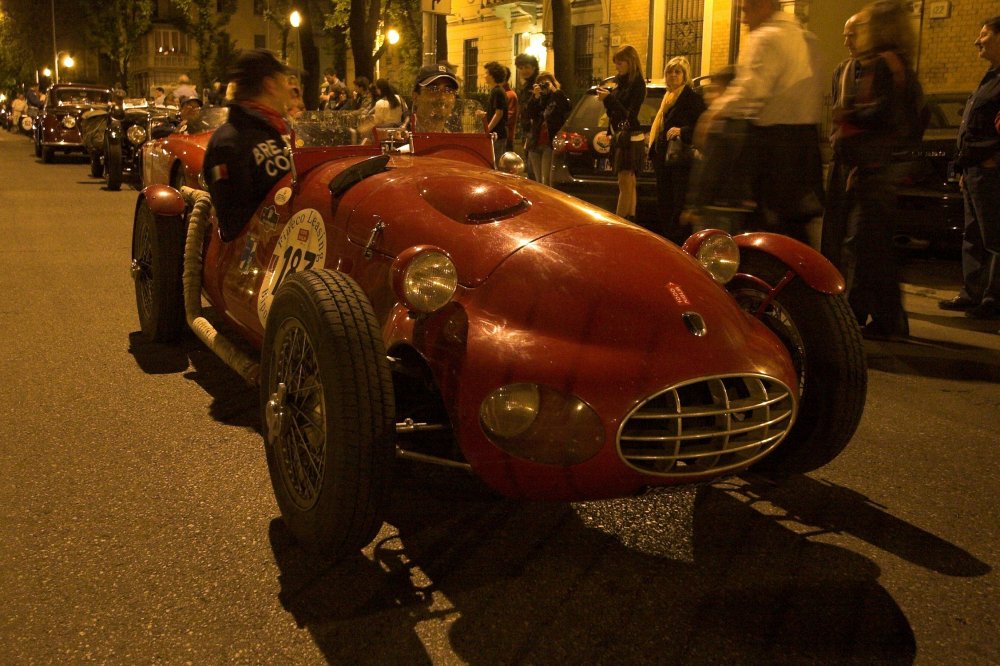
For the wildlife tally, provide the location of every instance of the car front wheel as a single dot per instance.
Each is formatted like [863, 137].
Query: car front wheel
[157, 261]
[328, 412]
[113, 165]
[822, 337]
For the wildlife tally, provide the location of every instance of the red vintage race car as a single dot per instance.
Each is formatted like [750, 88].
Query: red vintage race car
[398, 296]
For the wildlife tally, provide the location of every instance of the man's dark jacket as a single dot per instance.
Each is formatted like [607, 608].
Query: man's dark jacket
[244, 160]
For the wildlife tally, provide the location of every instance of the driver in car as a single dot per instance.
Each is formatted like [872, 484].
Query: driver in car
[190, 117]
[433, 99]
[248, 154]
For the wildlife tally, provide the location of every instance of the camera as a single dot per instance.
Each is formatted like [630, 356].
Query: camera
[544, 85]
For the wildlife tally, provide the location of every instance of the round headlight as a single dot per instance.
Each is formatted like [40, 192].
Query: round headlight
[541, 424]
[69, 122]
[510, 411]
[26, 123]
[424, 278]
[512, 163]
[136, 134]
[719, 254]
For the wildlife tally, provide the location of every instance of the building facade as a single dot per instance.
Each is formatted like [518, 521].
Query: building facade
[707, 32]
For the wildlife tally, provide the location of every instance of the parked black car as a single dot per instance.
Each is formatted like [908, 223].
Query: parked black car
[57, 126]
[931, 210]
[581, 160]
[117, 156]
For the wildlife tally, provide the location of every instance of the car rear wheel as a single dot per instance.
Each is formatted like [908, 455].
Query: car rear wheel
[96, 165]
[113, 165]
[157, 261]
[821, 334]
[328, 412]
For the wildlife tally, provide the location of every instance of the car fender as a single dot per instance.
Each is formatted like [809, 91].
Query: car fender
[163, 200]
[814, 269]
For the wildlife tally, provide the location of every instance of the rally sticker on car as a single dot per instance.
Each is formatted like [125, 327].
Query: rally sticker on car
[602, 143]
[300, 247]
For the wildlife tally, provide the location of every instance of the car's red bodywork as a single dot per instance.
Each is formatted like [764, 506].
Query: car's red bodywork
[552, 291]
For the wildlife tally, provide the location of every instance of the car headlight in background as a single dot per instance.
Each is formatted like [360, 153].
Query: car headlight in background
[716, 251]
[424, 278]
[69, 122]
[136, 134]
[541, 424]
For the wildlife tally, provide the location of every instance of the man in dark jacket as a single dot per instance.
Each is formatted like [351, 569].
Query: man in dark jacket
[248, 155]
[978, 159]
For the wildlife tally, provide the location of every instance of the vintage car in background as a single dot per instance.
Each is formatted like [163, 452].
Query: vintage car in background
[581, 160]
[115, 138]
[176, 158]
[931, 213]
[413, 301]
[58, 125]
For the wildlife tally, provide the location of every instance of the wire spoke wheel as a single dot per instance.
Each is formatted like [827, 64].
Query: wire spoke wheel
[143, 252]
[157, 257]
[328, 412]
[301, 439]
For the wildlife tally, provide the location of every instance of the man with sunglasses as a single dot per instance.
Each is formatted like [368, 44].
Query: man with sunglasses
[434, 95]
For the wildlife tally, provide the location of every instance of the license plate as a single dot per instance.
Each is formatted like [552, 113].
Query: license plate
[602, 164]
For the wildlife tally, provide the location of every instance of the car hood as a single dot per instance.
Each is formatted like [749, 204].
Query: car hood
[629, 297]
[478, 217]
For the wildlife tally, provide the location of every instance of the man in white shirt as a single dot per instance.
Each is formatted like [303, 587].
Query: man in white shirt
[779, 91]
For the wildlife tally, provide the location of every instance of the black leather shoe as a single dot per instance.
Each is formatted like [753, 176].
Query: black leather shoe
[957, 303]
[988, 309]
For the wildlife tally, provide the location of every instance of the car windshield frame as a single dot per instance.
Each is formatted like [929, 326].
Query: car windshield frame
[80, 97]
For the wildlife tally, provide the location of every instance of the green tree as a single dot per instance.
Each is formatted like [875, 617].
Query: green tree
[204, 21]
[366, 19]
[115, 27]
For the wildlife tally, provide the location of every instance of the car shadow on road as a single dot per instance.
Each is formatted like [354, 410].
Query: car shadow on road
[934, 358]
[728, 573]
[234, 402]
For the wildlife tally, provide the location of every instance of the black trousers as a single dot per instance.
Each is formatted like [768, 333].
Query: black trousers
[868, 255]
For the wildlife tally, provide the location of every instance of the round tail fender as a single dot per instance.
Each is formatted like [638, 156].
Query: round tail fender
[164, 200]
[814, 269]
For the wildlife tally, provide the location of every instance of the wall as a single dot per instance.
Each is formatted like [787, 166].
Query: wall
[948, 60]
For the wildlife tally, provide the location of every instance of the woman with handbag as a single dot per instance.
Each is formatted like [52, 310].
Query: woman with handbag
[670, 144]
[628, 141]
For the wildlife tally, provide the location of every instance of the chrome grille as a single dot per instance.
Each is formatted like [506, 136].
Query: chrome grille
[707, 425]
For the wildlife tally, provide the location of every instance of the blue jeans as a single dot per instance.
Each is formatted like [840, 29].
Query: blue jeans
[981, 235]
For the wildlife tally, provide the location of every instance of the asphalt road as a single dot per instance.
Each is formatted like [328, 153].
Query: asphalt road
[137, 523]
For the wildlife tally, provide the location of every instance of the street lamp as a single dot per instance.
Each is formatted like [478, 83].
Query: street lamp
[295, 20]
[67, 62]
[391, 37]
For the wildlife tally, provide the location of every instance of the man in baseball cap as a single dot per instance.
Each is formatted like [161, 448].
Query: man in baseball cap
[246, 157]
[434, 95]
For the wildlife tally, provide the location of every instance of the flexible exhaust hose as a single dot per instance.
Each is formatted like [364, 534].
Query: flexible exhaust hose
[238, 360]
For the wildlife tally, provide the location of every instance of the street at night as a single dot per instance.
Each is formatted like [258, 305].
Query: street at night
[139, 526]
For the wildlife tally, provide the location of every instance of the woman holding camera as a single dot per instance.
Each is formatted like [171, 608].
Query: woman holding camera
[547, 110]
[670, 144]
[628, 141]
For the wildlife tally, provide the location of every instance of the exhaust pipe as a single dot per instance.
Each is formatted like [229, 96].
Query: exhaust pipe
[201, 207]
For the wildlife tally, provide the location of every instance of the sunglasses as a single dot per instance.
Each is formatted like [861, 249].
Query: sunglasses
[440, 89]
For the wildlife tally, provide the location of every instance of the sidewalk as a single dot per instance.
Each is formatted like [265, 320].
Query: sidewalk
[925, 282]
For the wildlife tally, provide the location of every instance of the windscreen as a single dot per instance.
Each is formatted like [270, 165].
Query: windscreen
[434, 113]
[67, 96]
